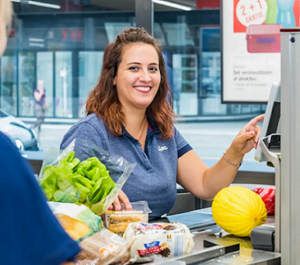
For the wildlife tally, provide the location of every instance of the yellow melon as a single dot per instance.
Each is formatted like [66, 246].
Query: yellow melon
[238, 210]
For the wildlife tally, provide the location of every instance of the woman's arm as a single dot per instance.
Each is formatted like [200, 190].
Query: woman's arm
[205, 182]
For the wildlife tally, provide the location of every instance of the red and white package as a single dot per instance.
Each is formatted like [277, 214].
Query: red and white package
[152, 241]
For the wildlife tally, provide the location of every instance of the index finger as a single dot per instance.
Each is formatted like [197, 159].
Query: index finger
[256, 120]
[125, 200]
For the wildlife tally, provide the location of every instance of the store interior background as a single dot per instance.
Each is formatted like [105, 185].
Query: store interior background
[63, 43]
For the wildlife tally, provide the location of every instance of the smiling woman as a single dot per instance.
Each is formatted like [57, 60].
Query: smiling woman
[134, 60]
[128, 114]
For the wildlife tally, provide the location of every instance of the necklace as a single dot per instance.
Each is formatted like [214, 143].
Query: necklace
[143, 129]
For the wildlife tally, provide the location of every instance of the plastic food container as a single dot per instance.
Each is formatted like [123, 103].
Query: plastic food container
[263, 38]
[117, 221]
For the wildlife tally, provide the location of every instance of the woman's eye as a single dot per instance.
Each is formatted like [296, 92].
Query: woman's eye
[153, 69]
[134, 68]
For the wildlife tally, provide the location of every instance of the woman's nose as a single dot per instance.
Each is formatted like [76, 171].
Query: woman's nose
[145, 76]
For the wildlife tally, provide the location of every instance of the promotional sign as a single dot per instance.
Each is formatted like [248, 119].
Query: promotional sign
[251, 46]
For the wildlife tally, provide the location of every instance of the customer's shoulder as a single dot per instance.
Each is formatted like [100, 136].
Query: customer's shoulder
[6, 143]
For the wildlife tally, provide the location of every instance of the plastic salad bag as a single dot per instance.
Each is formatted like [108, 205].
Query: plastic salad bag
[77, 220]
[92, 177]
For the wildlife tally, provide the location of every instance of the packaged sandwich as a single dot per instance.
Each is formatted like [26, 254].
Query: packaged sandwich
[150, 242]
[117, 221]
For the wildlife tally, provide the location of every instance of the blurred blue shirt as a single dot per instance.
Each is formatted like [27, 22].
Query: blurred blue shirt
[29, 233]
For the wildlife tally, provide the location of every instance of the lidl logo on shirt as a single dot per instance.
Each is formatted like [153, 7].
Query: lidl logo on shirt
[162, 148]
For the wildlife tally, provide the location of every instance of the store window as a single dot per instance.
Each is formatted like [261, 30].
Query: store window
[26, 83]
[63, 84]
[191, 43]
[90, 64]
[8, 96]
[44, 68]
[63, 42]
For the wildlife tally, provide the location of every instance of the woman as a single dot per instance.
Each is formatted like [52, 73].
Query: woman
[40, 105]
[29, 232]
[128, 114]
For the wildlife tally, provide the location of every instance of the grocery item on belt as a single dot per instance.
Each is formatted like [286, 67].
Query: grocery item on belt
[87, 182]
[94, 182]
[104, 248]
[75, 228]
[268, 197]
[78, 220]
[117, 221]
[238, 210]
[158, 240]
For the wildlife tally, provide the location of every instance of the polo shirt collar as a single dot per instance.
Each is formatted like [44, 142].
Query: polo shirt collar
[151, 125]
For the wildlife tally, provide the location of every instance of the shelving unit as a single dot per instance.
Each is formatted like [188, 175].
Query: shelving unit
[185, 84]
[210, 74]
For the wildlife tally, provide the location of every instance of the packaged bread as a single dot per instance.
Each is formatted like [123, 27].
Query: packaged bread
[150, 242]
[104, 248]
[117, 221]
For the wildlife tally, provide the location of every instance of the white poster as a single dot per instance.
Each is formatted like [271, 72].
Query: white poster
[251, 46]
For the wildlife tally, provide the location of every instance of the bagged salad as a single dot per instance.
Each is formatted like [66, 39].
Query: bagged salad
[77, 220]
[94, 179]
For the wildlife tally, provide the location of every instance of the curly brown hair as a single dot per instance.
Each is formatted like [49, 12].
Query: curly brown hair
[103, 99]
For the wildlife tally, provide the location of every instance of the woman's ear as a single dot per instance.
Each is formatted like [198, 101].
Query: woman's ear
[114, 82]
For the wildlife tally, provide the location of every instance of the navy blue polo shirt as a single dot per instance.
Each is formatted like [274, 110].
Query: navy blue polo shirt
[29, 232]
[154, 177]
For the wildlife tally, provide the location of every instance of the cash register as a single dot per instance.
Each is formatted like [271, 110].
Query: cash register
[268, 150]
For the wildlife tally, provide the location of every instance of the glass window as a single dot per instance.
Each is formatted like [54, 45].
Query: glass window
[90, 64]
[44, 70]
[26, 83]
[178, 34]
[63, 84]
[63, 42]
[192, 50]
[8, 98]
[185, 84]
[113, 29]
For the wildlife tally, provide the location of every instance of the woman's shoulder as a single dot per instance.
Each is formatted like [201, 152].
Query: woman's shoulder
[90, 128]
[93, 120]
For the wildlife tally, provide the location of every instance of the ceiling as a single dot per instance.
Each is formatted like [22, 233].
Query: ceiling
[130, 4]
[109, 5]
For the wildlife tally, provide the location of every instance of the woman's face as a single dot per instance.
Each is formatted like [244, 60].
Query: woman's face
[3, 36]
[138, 76]
[40, 84]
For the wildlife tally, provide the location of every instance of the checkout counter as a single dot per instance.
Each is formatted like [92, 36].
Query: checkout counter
[212, 245]
[221, 248]
[280, 137]
[215, 247]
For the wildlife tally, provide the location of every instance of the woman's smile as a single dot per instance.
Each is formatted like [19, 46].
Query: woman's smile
[143, 89]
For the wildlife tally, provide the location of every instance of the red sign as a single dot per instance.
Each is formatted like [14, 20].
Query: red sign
[208, 4]
[251, 11]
